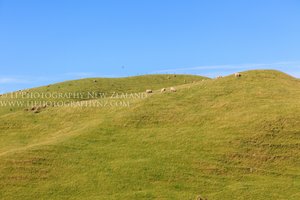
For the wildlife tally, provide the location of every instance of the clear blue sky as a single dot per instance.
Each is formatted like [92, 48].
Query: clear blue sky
[45, 41]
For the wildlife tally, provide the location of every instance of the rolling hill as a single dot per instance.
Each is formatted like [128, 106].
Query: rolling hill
[225, 138]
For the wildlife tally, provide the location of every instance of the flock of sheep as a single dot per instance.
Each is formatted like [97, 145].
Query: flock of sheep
[172, 89]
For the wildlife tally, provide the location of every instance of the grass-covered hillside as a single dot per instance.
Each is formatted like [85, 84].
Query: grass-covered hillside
[225, 138]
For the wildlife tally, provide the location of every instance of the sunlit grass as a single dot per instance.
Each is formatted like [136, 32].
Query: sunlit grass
[228, 138]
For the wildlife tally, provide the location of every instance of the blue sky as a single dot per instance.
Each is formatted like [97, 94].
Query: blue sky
[48, 41]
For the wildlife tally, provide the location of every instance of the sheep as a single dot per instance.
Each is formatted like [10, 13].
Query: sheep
[148, 91]
[172, 89]
[200, 198]
[237, 75]
[37, 110]
[219, 77]
[163, 90]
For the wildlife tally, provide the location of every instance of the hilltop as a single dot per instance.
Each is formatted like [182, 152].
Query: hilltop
[225, 138]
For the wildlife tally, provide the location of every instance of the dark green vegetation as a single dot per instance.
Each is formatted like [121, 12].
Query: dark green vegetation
[227, 138]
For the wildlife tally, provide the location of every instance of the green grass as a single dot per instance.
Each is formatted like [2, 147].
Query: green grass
[228, 138]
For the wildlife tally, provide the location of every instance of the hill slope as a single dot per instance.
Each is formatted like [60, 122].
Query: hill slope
[20, 128]
[228, 138]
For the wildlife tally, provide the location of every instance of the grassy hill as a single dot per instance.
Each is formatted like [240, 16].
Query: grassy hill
[226, 138]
